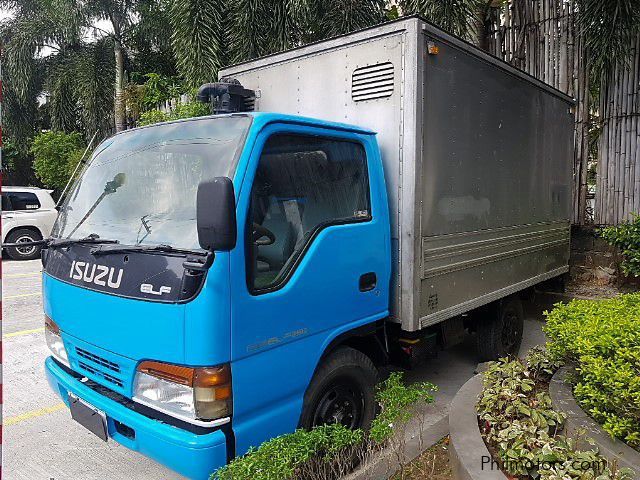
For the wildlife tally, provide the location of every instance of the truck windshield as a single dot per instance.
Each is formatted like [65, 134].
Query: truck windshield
[140, 186]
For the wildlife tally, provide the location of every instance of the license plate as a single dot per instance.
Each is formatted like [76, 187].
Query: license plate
[88, 416]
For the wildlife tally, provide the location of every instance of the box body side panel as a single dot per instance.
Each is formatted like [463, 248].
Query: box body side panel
[477, 159]
[496, 184]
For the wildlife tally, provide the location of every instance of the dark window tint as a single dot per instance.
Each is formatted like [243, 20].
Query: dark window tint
[6, 204]
[302, 185]
[23, 200]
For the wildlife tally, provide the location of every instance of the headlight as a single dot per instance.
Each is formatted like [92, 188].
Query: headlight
[54, 341]
[190, 394]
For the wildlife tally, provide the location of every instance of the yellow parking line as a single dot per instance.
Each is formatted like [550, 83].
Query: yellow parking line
[23, 332]
[17, 275]
[9, 297]
[34, 414]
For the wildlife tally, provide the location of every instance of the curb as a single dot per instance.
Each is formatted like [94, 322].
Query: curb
[467, 449]
[578, 422]
[424, 430]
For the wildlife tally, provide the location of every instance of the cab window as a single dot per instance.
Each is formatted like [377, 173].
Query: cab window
[302, 185]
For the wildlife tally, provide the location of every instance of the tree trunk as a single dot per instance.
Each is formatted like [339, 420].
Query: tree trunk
[480, 26]
[119, 106]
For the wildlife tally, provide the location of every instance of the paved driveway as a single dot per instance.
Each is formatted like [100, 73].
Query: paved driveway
[42, 442]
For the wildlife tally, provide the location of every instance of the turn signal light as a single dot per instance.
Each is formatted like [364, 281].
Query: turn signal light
[202, 393]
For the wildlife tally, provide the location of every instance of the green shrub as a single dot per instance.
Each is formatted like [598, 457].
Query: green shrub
[56, 155]
[542, 363]
[626, 237]
[517, 419]
[182, 110]
[152, 116]
[603, 338]
[189, 110]
[159, 88]
[395, 400]
[329, 451]
[281, 456]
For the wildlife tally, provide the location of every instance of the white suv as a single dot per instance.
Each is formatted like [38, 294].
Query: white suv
[28, 214]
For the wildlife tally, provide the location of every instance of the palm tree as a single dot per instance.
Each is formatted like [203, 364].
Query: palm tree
[464, 18]
[70, 39]
[208, 36]
[610, 29]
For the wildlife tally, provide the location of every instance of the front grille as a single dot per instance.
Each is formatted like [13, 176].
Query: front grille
[98, 373]
[114, 367]
[99, 367]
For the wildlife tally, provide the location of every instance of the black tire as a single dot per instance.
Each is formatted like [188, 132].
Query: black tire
[25, 253]
[341, 391]
[499, 332]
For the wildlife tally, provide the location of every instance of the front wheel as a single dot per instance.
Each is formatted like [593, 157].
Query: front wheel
[23, 235]
[499, 333]
[341, 391]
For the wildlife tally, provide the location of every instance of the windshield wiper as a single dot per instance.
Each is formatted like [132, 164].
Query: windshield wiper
[64, 242]
[110, 249]
[61, 242]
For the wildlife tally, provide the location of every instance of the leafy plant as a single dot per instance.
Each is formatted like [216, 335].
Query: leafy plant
[395, 400]
[281, 456]
[517, 419]
[329, 451]
[182, 110]
[542, 363]
[626, 237]
[152, 116]
[603, 339]
[189, 109]
[56, 156]
[159, 88]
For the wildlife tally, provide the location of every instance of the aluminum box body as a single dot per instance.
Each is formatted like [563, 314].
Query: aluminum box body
[477, 157]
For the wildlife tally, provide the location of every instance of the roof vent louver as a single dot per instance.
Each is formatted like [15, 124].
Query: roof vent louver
[372, 81]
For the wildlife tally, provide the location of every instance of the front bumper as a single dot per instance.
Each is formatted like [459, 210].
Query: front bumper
[192, 455]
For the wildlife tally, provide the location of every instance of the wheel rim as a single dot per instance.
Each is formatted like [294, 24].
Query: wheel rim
[27, 250]
[510, 332]
[341, 403]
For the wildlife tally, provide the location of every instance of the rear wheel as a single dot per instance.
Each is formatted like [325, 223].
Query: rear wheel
[23, 235]
[341, 391]
[499, 333]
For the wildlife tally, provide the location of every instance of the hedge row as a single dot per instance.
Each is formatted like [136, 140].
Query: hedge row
[603, 339]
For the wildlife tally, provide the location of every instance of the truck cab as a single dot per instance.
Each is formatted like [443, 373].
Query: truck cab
[210, 281]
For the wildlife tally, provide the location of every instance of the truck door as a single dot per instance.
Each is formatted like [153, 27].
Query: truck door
[313, 263]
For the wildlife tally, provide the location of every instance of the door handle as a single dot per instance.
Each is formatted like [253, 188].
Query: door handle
[367, 282]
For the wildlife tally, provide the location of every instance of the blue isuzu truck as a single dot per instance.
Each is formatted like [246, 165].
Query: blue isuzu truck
[215, 282]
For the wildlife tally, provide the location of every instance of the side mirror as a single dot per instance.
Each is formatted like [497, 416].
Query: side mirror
[216, 214]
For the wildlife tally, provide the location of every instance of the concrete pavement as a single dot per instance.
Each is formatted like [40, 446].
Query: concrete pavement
[40, 439]
[42, 442]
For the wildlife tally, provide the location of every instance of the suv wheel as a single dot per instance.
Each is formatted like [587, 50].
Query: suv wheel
[23, 235]
[341, 391]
